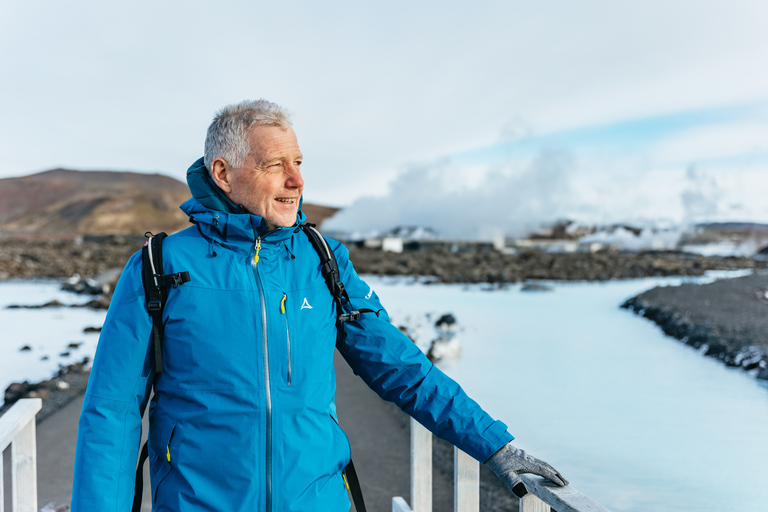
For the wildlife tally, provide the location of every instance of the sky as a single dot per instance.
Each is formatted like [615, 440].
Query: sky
[471, 119]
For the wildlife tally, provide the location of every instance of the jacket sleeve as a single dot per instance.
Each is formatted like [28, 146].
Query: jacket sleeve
[397, 370]
[109, 431]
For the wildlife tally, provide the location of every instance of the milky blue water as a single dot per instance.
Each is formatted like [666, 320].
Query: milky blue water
[47, 332]
[634, 419]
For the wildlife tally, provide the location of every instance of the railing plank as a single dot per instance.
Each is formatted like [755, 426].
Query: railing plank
[421, 468]
[562, 499]
[15, 418]
[466, 482]
[24, 469]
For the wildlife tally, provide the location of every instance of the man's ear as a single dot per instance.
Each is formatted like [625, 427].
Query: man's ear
[222, 175]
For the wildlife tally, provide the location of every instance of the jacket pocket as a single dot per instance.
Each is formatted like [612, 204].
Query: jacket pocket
[284, 312]
[307, 336]
[163, 459]
[348, 454]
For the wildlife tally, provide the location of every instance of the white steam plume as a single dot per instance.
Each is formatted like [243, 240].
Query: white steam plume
[502, 202]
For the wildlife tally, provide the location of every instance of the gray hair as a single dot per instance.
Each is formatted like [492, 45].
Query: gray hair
[227, 134]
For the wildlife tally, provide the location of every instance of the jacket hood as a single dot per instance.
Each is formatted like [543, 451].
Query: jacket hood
[219, 217]
[206, 191]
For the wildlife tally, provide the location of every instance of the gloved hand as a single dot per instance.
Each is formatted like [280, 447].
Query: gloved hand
[509, 463]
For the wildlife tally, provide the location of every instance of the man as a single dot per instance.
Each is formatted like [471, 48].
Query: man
[243, 415]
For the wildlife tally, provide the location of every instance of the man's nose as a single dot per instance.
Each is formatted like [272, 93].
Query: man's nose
[294, 179]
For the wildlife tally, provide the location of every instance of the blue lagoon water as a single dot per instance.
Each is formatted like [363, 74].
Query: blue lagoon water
[634, 419]
[48, 332]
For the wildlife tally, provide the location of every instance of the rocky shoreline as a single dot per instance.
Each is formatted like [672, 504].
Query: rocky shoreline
[493, 267]
[29, 259]
[726, 319]
[64, 258]
[67, 384]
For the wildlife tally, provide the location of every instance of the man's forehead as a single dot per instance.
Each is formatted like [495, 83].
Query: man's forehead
[260, 131]
[272, 140]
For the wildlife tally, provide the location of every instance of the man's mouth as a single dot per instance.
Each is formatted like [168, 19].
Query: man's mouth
[286, 200]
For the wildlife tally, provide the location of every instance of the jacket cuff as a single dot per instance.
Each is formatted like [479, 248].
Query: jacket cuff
[497, 435]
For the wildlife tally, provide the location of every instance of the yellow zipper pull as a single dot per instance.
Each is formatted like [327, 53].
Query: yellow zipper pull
[282, 304]
[168, 453]
[258, 246]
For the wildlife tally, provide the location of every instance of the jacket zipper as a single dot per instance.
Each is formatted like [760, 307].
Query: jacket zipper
[267, 390]
[287, 334]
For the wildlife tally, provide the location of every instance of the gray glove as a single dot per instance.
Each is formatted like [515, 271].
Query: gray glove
[509, 462]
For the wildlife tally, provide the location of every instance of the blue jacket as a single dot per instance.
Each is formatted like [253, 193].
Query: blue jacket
[243, 416]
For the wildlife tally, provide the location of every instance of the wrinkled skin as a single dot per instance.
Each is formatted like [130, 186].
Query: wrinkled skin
[269, 184]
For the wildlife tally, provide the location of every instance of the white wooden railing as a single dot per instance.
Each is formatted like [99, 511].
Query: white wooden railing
[542, 496]
[17, 429]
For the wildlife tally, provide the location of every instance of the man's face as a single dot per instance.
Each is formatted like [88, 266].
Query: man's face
[269, 183]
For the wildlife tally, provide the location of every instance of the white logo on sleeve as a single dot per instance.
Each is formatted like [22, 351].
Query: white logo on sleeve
[305, 305]
[370, 293]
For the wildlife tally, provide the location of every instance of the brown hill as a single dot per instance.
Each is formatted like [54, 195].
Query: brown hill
[67, 202]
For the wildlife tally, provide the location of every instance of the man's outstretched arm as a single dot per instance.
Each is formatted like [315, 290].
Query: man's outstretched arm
[398, 371]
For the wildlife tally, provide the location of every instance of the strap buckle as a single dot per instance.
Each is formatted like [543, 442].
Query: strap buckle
[349, 317]
[154, 305]
[176, 280]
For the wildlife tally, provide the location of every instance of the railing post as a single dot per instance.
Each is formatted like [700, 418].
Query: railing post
[466, 482]
[421, 468]
[17, 428]
[421, 472]
[24, 470]
[531, 503]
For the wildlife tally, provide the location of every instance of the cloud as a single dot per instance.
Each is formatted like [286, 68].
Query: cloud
[98, 85]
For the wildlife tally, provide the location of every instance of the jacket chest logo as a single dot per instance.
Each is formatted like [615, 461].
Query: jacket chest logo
[305, 304]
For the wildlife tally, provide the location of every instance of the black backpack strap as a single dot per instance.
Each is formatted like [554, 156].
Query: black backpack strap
[329, 268]
[353, 484]
[138, 490]
[156, 292]
[330, 271]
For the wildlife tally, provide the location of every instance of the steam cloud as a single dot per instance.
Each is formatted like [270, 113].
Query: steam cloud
[503, 203]
[513, 202]
[701, 199]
